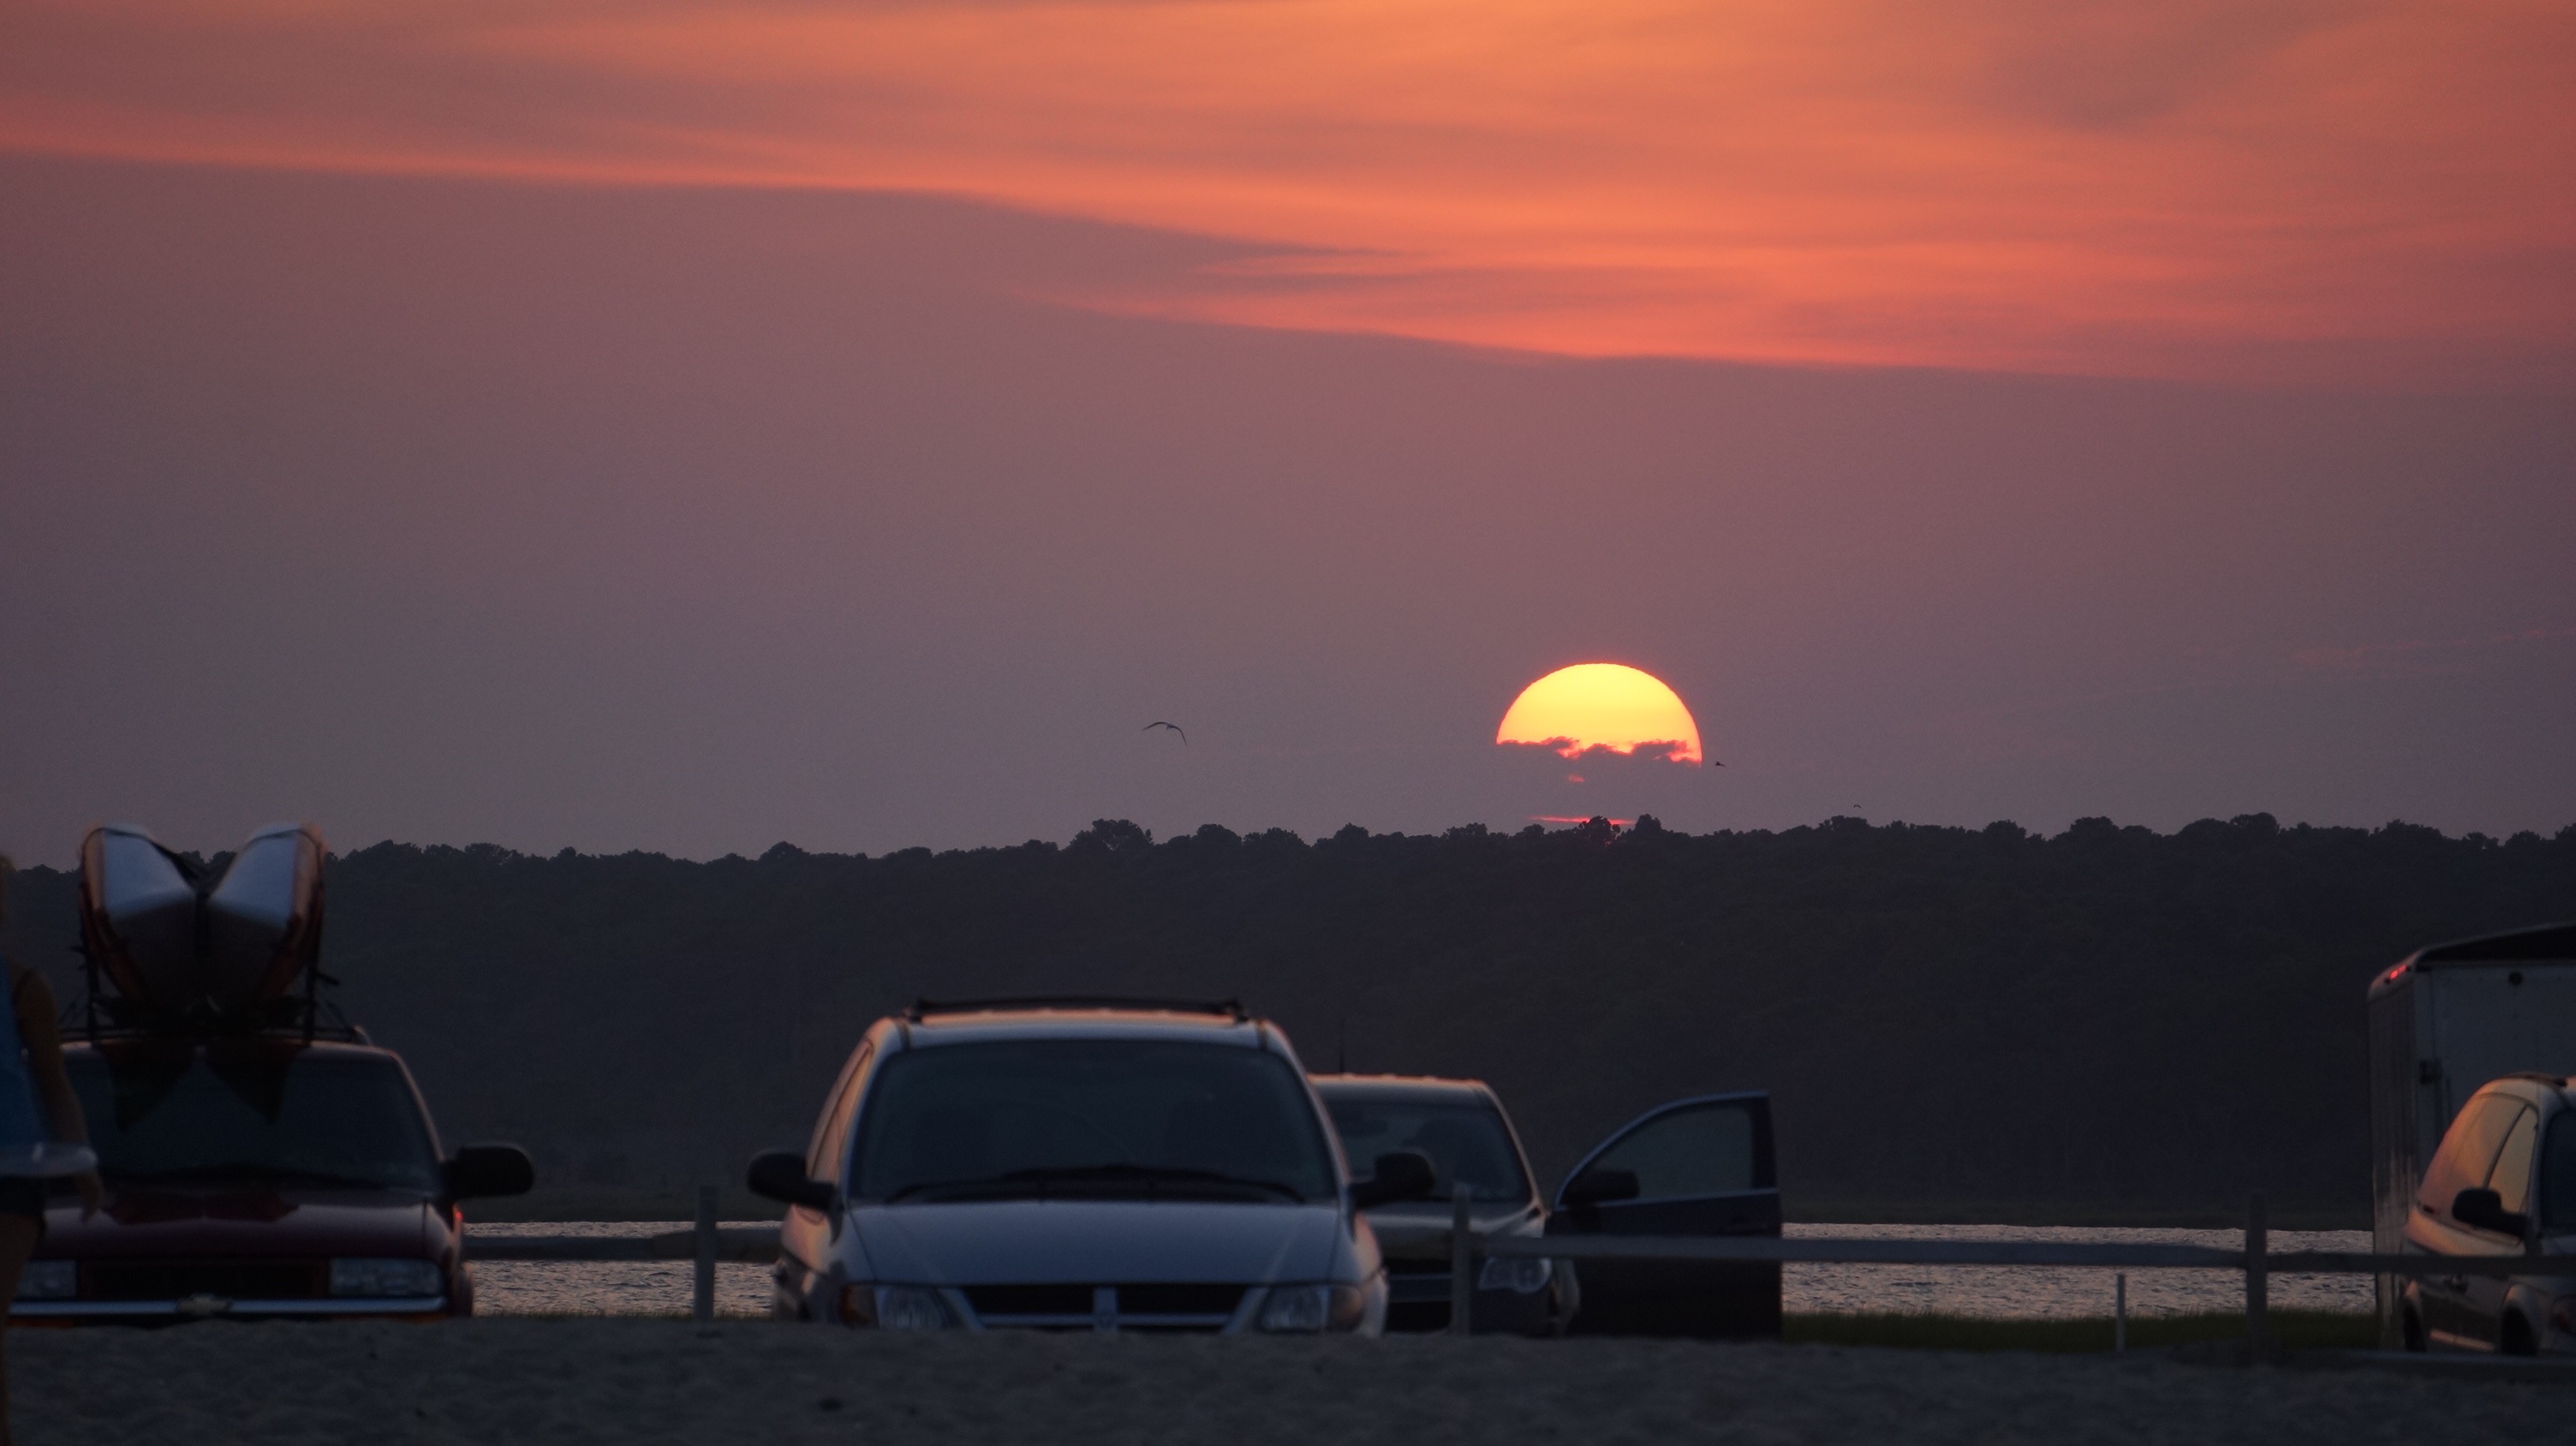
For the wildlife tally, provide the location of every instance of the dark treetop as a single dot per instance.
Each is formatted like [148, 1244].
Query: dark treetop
[1942, 1013]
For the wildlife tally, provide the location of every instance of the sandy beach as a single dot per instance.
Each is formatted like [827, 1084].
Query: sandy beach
[645, 1381]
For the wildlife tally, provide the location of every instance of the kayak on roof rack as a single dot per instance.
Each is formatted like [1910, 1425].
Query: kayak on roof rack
[187, 947]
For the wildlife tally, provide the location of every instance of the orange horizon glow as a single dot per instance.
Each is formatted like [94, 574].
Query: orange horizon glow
[2299, 190]
[1604, 707]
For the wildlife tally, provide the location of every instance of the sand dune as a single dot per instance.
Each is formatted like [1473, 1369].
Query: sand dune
[652, 1381]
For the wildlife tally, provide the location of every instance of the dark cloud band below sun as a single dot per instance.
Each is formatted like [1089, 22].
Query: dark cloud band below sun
[1662, 750]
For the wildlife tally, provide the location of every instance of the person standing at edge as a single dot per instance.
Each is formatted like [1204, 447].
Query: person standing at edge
[31, 1064]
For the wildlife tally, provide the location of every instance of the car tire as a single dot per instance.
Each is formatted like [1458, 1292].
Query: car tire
[2410, 1332]
[2517, 1338]
[1558, 1317]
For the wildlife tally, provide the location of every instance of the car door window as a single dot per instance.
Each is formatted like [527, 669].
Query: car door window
[2468, 1152]
[2511, 1179]
[832, 1106]
[2558, 1174]
[1697, 1150]
[832, 1139]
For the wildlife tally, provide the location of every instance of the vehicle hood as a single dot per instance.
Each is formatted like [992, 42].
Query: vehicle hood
[1034, 1242]
[1418, 1230]
[253, 1221]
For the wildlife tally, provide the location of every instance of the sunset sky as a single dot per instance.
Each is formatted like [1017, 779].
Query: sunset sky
[685, 426]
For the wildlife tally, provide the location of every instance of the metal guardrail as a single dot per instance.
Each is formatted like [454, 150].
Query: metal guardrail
[2256, 1260]
[2007, 1253]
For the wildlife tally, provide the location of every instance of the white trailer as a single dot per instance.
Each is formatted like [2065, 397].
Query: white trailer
[2447, 1020]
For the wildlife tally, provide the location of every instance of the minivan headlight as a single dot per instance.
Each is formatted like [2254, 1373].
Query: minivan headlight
[387, 1279]
[1528, 1277]
[894, 1307]
[50, 1280]
[1311, 1308]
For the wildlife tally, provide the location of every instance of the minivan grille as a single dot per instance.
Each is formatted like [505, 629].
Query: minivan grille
[230, 1279]
[992, 1300]
[1179, 1299]
[1149, 1305]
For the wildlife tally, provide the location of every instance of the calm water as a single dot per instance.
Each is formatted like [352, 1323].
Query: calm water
[2061, 1291]
[506, 1287]
[640, 1287]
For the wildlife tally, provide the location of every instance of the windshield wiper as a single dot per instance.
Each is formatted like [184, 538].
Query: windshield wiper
[988, 1184]
[325, 1177]
[1041, 1180]
[1151, 1176]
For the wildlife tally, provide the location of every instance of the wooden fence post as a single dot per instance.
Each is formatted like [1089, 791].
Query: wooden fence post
[706, 1302]
[2258, 1281]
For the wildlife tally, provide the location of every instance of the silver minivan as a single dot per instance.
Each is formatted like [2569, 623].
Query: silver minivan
[1078, 1164]
[2502, 1183]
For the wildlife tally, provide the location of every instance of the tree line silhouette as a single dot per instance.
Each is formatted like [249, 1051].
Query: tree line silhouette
[2108, 1019]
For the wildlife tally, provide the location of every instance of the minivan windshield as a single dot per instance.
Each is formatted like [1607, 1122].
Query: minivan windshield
[1465, 1142]
[1129, 1118]
[253, 1112]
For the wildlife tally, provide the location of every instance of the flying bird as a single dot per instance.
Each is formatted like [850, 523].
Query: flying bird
[1175, 727]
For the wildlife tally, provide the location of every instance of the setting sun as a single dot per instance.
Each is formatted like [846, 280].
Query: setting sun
[1605, 706]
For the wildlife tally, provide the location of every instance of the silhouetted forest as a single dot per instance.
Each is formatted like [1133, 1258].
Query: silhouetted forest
[2109, 1017]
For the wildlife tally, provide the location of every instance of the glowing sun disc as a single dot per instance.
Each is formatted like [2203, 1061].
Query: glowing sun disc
[1606, 706]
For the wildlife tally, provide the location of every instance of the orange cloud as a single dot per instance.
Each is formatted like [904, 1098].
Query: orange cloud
[2295, 189]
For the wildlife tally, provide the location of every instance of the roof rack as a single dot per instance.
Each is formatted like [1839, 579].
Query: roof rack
[1230, 1008]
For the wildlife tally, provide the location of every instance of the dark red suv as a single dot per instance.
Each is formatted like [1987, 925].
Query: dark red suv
[266, 1174]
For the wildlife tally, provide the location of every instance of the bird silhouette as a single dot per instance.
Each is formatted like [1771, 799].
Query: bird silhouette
[1175, 727]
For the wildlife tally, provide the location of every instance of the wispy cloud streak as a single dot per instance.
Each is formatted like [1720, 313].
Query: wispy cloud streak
[2420, 658]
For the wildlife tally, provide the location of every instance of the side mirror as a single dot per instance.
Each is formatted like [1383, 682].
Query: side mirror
[480, 1172]
[2485, 1210]
[1598, 1187]
[1405, 1175]
[780, 1175]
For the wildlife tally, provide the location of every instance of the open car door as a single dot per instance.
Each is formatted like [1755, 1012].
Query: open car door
[1693, 1167]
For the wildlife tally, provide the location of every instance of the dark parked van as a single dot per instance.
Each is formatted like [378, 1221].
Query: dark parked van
[1461, 1128]
[259, 1175]
[1698, 1166]
[260, 1158]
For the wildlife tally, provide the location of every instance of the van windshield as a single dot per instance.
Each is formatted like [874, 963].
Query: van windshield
[1465, 1142]
[255, 1113]
[1126, 1118]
